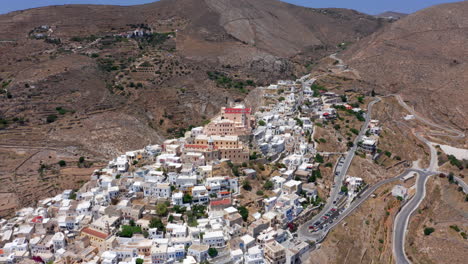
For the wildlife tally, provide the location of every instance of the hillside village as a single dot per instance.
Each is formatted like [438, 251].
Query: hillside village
[187, 200]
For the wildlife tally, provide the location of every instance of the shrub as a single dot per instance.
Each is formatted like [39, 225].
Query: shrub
[246, 185]
[81, 159]
[259, 192]
[360, 99]
[388, 154]
[51, 118]
[253, 156]
[344, 189]
[455, 162]
[428, 230]
[268, 185]
[354, 131]
[62, 163]
[455, 227]
[329, 164]
[463, 234]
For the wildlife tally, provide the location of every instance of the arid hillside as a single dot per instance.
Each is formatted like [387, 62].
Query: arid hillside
[423, 56]
[93, 81]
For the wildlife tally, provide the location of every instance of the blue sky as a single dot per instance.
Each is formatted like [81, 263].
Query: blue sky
[366, 6]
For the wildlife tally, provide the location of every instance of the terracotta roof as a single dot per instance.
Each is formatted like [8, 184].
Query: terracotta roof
[221, 202]
[1, 251]
[94, 233]
[225, 192]
[37, 219]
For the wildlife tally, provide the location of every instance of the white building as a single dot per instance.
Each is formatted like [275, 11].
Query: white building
[214, 239]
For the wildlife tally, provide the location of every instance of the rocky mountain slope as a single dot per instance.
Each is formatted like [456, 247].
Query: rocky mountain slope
[72, 83]
[423, 57]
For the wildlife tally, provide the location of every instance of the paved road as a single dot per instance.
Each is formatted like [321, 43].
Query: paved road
[462, 184]
[401, 221]
[320, 235]
[456, 133]
[303, 231]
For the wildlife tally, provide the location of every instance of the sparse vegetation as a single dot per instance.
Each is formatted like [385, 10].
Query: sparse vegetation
[246, 185]
[51, 118]
[268, 185]
[223, 80]
[428, 231]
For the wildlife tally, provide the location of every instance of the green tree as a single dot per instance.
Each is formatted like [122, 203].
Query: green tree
[243, 212]
[139, 261]
[213, 252]
[157, 223]
[344, 189]
[81, 160]
[319, 158]
[312, 178]
[161, 209]
[62, 163]
[261, 123]
[187, 198]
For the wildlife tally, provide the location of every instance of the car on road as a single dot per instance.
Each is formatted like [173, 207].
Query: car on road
[333, 210]
[325, 217]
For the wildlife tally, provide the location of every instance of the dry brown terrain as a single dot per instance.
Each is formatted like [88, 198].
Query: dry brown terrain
[423, 57]
[365, 236]
[105, 94]
[444, 206]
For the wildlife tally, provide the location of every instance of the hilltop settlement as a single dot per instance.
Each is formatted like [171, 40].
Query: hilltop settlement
[232, 191]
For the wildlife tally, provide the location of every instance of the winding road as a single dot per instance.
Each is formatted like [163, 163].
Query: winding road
[303, 230]
[400, 224]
